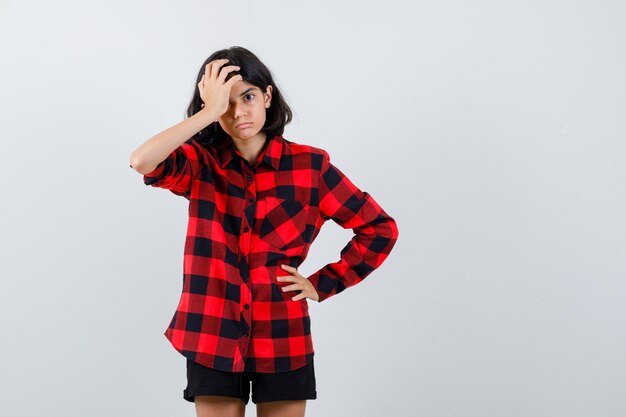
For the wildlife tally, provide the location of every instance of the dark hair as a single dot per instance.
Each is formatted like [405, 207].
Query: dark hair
[254, 72]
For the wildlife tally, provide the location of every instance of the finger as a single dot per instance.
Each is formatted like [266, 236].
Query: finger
[233, 80]
[298, 297]
[225, 70]
[294, 271]
[215, 68]
[292, 287]
[207, 67]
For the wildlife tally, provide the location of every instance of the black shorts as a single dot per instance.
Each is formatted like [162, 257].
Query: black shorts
[298, 384]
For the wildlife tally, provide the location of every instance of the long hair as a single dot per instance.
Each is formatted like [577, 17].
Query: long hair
[254, 72]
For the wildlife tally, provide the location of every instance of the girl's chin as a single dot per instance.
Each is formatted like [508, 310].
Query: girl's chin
[245, 134]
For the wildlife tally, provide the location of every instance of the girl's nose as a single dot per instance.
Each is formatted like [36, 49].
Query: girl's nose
[239, 112]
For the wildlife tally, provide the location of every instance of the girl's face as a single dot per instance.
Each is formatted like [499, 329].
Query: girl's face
[245, 116]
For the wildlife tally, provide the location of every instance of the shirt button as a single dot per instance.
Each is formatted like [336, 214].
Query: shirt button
[245, 334]
[246, 306]
[245, 229]
[251, 199]
[249, 177]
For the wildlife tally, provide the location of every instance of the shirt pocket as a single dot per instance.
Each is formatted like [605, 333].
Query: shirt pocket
[283, 222]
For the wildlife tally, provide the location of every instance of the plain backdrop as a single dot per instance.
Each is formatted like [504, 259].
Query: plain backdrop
[492, 131]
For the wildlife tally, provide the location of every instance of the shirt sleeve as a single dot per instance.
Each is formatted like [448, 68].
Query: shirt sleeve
[175, 173]
[375, 232]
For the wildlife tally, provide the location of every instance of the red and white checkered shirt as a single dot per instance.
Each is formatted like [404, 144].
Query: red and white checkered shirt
[244, 221]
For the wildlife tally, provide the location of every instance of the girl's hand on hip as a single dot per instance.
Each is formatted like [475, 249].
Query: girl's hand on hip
[300, 283]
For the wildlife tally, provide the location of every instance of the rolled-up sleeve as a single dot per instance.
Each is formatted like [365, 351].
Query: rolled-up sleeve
[175, 173]
[375, 231]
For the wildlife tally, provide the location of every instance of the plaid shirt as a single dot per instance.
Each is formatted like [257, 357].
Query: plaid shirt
[244, 221]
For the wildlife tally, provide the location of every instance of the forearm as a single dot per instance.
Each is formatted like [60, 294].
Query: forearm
[376, 234]
[149, 154]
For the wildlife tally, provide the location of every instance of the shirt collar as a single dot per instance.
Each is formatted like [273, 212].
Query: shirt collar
[271, 154]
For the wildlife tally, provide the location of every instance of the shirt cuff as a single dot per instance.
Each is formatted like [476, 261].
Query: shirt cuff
[155, 175]
[323, 284]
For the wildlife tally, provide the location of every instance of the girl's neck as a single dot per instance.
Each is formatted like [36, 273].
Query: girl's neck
[251, 148]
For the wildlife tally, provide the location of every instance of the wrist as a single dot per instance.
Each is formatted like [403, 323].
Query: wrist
[208, 115]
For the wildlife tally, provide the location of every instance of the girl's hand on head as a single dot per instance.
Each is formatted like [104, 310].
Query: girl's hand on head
[301, 283]
[214, 91]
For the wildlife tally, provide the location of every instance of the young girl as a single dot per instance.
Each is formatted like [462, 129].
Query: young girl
[256, 203]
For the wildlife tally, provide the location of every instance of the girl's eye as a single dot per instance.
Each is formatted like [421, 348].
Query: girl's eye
[249, 94]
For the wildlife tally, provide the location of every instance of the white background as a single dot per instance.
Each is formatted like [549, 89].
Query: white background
[492, 131]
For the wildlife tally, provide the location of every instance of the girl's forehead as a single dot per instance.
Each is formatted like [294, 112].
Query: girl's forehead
[241, 85]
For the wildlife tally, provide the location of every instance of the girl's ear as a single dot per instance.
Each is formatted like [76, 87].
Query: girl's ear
[268, 96]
